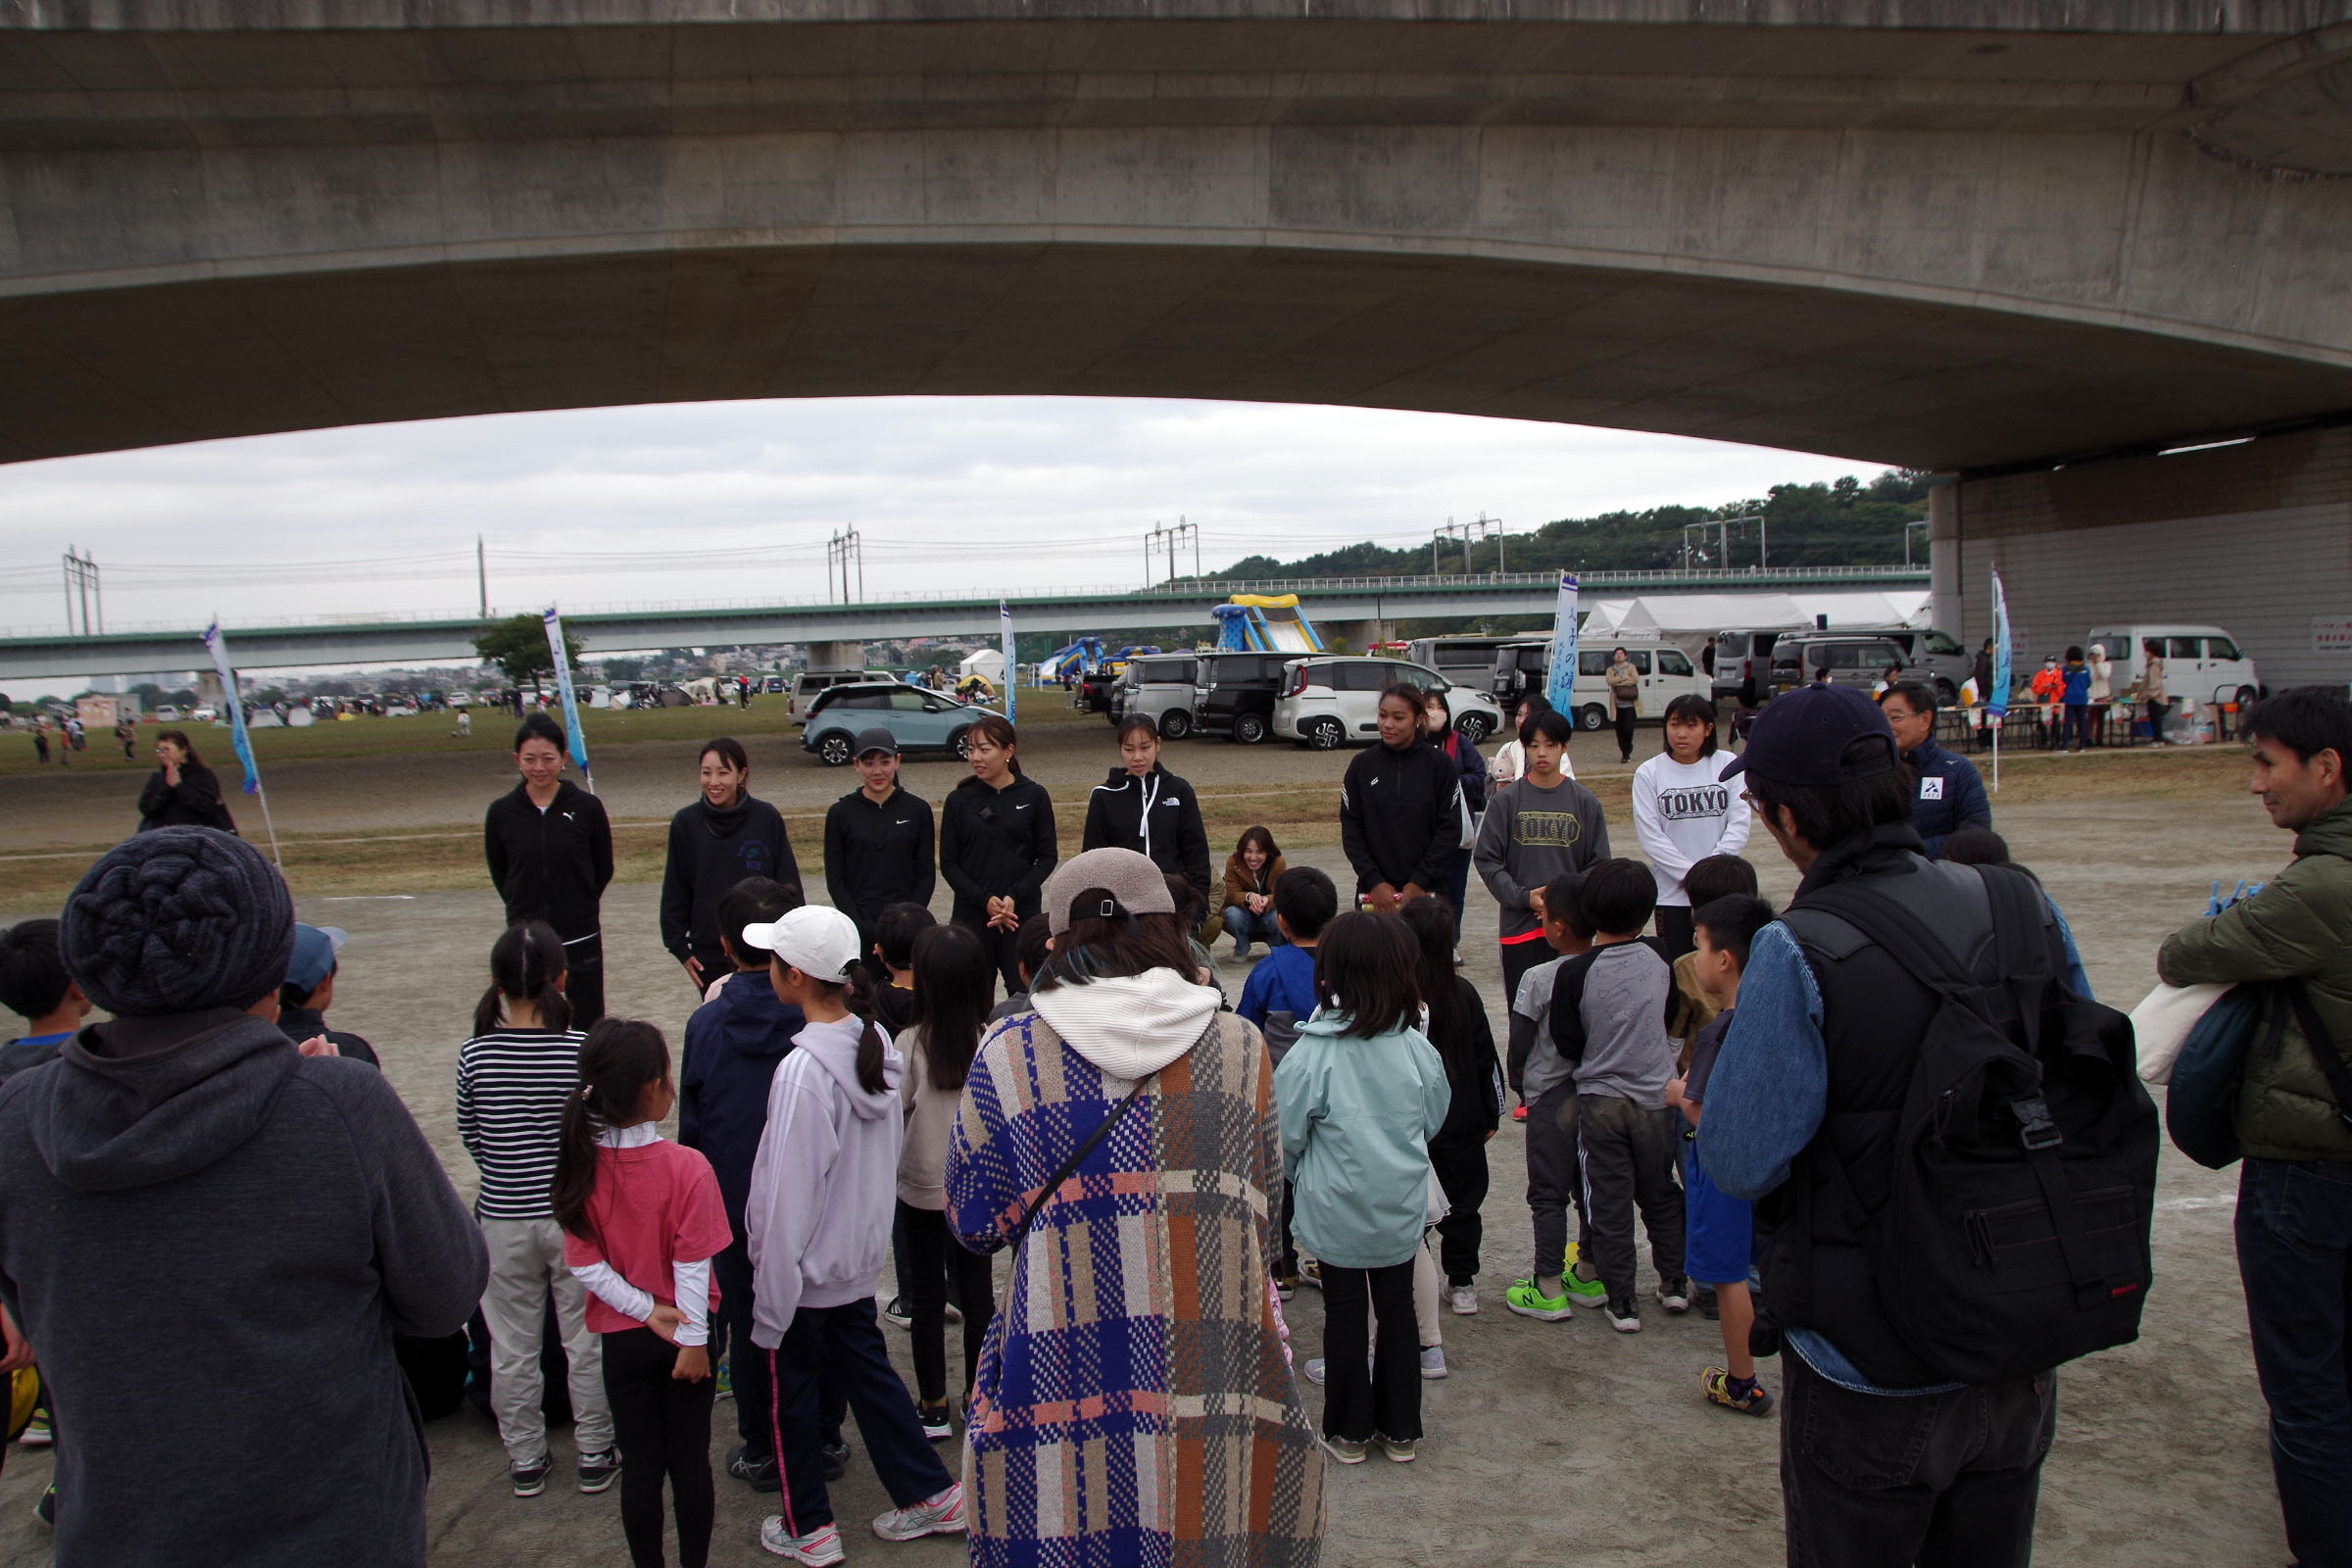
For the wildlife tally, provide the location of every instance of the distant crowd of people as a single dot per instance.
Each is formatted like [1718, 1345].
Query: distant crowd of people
[1883, 1134]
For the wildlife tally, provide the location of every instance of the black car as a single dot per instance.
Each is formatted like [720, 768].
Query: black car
[1092, 693]
[1233, 695]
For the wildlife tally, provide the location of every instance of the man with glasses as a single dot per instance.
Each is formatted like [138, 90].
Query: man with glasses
[1946, 792]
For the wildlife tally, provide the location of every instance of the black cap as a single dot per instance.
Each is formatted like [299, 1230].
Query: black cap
[1799, 738]
[876, 739]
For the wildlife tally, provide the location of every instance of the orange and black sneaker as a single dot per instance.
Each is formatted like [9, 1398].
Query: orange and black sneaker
[1744, 1395]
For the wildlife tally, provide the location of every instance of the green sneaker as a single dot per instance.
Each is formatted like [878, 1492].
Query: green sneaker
[1528, 1301]
[1590, 1292]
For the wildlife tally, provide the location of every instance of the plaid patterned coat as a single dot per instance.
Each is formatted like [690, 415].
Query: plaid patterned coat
[1134, 1403]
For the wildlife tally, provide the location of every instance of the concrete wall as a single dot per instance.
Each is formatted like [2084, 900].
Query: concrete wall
[2254, 538]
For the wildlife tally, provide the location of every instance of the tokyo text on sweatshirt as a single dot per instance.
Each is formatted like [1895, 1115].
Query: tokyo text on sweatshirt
[1684, 812]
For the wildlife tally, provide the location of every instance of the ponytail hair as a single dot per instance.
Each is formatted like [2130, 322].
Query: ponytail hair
[525, 962]
[869, 1038]
[617, 1059]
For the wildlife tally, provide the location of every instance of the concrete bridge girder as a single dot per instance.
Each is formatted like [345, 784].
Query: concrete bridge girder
[1842, 238]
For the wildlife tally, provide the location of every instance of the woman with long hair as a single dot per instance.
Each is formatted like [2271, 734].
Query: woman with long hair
[1437, 725]
[996, 843]
[1684, 811]
[724, 836]
[549, 846]
[1109, 1131]
[516, 1078]
[182, 792]
[953, 989]
[1250, 872]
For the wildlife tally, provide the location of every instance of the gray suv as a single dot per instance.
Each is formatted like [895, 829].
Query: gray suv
[1159, 686]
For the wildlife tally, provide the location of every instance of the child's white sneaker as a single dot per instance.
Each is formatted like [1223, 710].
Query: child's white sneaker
[817, 1549]
[1433, 1361]
[940, 1515]
[1463, 1298]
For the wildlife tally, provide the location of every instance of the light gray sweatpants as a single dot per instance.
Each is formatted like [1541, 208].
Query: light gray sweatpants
[526, 1260]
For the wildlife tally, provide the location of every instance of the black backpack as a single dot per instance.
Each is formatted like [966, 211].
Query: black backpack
[2015, 1232]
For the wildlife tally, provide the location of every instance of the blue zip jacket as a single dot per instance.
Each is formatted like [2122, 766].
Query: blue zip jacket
[2077, 686]
[733, 1045]
[1947, 795]
[1284, 981]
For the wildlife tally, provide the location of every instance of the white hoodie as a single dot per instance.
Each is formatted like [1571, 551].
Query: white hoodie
[1130, 1027]
[818, 1216]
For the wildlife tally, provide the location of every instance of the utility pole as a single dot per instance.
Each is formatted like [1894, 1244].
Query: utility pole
[843, 548]
[1171, 533]
[82, 586]
[481, 574]
[1487, 528]
[1921, 524]
[1450, 530]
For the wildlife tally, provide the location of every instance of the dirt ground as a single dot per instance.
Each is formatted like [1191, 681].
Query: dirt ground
[1548, 1443]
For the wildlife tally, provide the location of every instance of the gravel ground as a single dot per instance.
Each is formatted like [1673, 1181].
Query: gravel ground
[1548, 1443]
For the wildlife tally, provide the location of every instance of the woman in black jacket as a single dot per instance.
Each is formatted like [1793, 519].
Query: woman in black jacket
[549, 849]
[1400, 808]
[183, 792]
[1144, 807]
[996, 843]
[722, 838]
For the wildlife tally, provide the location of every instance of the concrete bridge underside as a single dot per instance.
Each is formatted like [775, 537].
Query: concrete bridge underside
[1875, 235]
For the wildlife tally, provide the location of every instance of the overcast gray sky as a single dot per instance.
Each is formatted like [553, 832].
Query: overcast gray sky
[735, 500]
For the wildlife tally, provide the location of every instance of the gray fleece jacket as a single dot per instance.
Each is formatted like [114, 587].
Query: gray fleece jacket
[194, 1219]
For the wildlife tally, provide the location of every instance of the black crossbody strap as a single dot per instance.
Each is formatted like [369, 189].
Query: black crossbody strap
[2330, 1061]
[1045, 1193]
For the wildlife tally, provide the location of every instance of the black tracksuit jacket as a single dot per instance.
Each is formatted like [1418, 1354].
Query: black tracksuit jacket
[710, 852]
[1174, 840]
[1400, 816]
[551, 865]
[994, 843]
[878, 856]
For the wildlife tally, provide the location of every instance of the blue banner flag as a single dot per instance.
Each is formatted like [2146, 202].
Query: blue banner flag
[1012, 672]
[1559, 687]
[1997, 699]
[235, 701]
[571, 707]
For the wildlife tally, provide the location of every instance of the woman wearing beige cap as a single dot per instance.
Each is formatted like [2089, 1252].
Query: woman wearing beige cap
[1143, 1117]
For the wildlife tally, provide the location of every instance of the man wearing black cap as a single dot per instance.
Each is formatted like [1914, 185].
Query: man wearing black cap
[194, 1217]
[878, 840]
[1882, 1459]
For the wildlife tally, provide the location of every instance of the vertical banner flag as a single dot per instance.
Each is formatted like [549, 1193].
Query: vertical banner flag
[1559, 688]
[239, 742]
[571, 707]
[1013, 679]
[1997, 699]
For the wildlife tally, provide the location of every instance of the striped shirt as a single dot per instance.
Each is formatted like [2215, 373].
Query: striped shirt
[512, 1088]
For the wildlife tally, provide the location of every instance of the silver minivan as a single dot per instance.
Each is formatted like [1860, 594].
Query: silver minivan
[1328, 701]
[1159, 686]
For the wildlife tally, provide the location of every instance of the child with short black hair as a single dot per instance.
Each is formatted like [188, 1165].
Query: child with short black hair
[34, 985]
[1716, 877]
[1608, 1024]
[1547, 1087]
[642, 1219]
[895, 930]
[1720, 1229]
[1279, 996]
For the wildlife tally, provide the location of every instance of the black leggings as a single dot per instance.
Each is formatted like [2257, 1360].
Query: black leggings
[1386, 1401]
[1462, 1172]
[932, 1251]
[663, 1426]
[1001, 946]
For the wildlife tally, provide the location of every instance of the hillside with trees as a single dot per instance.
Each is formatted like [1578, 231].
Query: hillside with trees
[1848, 523]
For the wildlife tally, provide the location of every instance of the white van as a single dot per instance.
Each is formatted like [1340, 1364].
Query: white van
[1330, 700]
[2201, 664]
[1667, 673]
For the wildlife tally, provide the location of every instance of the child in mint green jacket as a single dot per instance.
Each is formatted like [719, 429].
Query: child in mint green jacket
[1359, 1095]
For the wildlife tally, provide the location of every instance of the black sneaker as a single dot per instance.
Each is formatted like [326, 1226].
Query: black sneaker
[598, 1470]
[897, 1312]
[837, 1459]
[1624, 1315]
[1674, 1294]
[529, 1480]
[756, 1471]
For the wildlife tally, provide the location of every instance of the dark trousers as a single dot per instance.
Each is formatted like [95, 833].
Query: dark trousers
[1939, 1480]
[999, 945]
[2156, 713]
[2077, 724]
[1676, 932]
[1388, 1400]
[662, 1425]
[1517, 958]
[1625, 731]
[1628, 1154]
[846, 1341]
[748, 1367]
[1457, 884]
[584, 986]
[2294, 1256]
[933, 1255]
[1287, 1265]
[1552, 1181]
[1462, 1172]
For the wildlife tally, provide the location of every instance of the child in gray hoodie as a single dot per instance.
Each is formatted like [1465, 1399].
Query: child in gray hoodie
[817, 1225]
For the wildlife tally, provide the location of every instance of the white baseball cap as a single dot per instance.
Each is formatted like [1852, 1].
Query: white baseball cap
[818, 942]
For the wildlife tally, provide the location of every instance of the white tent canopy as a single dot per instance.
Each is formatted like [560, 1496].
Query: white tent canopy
[1692, 619]
[986, 662]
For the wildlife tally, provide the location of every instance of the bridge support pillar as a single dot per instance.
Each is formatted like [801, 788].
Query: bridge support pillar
[1359, 635]
[1947, 591]
[837, 655]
